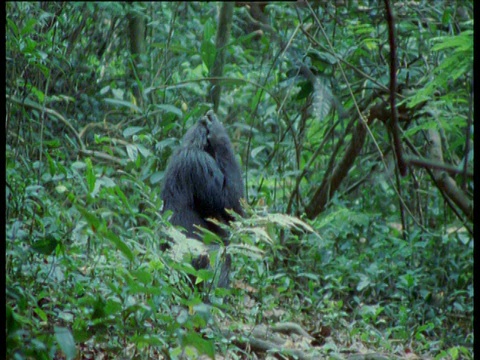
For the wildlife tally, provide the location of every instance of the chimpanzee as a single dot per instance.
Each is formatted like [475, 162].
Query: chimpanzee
[202, 179]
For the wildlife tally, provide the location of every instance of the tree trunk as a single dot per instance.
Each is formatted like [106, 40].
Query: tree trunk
[224, 28]
[136, 34]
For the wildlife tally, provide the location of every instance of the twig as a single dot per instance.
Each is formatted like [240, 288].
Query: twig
[402, 166]
[103, 156]
[426, 163]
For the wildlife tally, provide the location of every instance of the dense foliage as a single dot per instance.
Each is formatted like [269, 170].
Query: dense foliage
[98, 96]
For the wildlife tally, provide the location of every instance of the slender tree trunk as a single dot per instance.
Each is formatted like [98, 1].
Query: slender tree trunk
[224, 28]
[331, 182]
[136, 33]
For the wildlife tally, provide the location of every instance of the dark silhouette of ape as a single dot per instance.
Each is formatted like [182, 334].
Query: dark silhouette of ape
[203, 179]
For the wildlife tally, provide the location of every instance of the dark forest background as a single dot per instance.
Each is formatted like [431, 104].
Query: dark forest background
[353, 125]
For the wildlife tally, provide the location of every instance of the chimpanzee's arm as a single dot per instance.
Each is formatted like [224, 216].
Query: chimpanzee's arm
[207, 182]
[227, 163]
[193, 189]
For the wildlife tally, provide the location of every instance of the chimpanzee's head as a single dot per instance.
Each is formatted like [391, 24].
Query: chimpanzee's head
[197, 136]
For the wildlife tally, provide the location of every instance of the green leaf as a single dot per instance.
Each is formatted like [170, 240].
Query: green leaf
[119, 244]
[46, 246]
[123, 103]
[447, 16]
[90, 217]
[12, 26]
[143, 150]
[256, 99]
[41, 314]
[170, 109]
[453, 352]
[203, 346]
[99, 308]
[65, 339]
[157, 177]
[132, 152]
[148, 340]
[123, 198]
[11, 321]
[363, 283]
[132, 130]
[29, 25]
[463, 42]
[209, 30]
[306, 89]
[423, 126]
[322, 60]
[143, 276]
[51, 165]
[257, 150]
[310, 276]
[90, 175]
[208, 52]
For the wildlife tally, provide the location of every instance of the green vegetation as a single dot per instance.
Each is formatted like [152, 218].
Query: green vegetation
[339, 255]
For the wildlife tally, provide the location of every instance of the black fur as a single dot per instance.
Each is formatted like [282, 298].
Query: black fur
[203, 179]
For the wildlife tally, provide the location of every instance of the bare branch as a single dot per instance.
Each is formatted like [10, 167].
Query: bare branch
[402, 166]
[444, 181]
[427, 163]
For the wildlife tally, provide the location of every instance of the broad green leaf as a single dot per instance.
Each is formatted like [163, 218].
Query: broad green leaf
[257, 150]
[132, 152]
[90, 217]
[29, 25]
[170, 109]
[132, 130]
[203, 346]
[463, 42]
[157, 177]
[143, 150]
[363, 283]
[41, 314]
[208, 52]
[123, 103]
[46, 246]
[256, 99]
[119, 244]
[123, 198]
[90, 175]
[65, 340]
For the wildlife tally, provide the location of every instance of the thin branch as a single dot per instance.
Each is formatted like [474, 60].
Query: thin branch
[103, 156]
[445, 182]
[444, 196]
[332, 181]
[467, 141]
[402, 166]
[427, 163]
